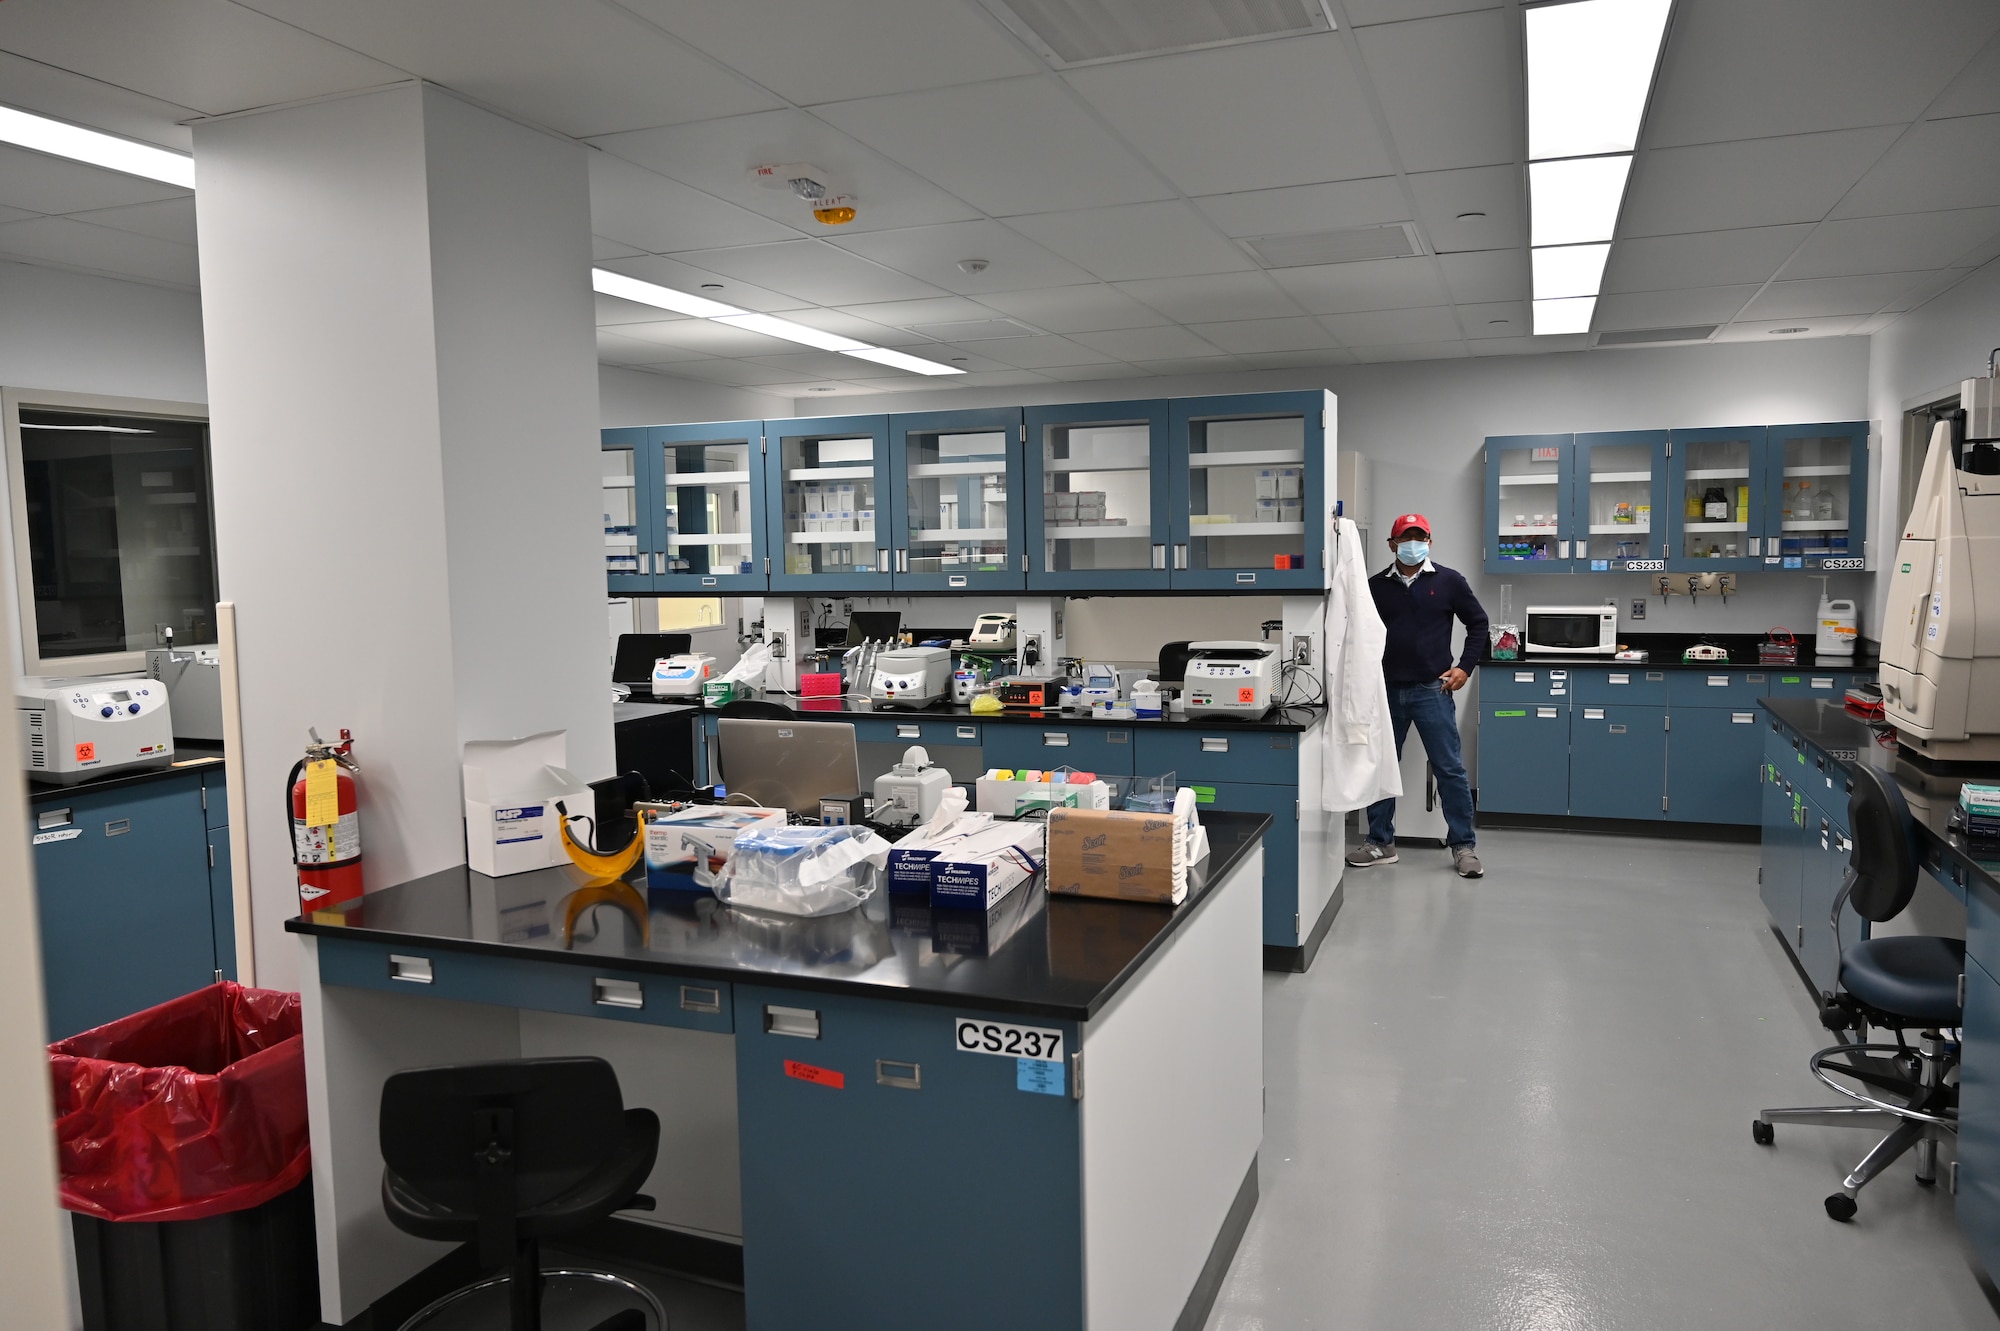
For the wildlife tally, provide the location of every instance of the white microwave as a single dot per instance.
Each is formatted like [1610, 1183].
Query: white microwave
[1572, 630]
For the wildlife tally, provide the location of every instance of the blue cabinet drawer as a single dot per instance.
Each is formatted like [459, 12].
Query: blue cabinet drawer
[1810, 683]
[1714, 758]
[1501, 682]
[545, 986]
[1631, 686]
[1618, 762]
[1260, 757]
[1979, 1117]
[1716, 688]
[895, 730]
[1104, 749]
[1524, 757]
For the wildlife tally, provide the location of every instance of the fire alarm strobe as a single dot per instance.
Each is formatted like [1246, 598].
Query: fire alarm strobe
[809, 184]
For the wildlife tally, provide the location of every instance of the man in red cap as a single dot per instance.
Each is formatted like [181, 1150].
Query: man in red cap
[1418, 600]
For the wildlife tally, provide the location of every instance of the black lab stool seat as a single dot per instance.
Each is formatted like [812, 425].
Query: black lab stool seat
[504, 1155]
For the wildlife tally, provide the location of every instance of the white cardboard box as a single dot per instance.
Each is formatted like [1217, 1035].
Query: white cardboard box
[511, 789]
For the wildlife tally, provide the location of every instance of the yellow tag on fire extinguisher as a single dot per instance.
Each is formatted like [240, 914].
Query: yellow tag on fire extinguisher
[322, 793]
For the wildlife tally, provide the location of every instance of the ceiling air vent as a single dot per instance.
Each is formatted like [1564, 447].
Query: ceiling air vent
[1347, 245]
[1088, 32]
[974, 330]
[1632, 337]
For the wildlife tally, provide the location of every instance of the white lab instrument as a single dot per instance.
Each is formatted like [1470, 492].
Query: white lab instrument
[910, 792]
[994, 632]
[682, 676]
[74, 729]
[193, 677]
[1231, 678]
[910, 677]
[1940, 669]
[964, 686]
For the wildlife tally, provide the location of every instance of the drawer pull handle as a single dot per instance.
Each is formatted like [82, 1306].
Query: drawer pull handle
[1754, 679]
[1555, 675]
[1215, 744]
[1117, 737]
[118, 827]
[1654, 676]
[412, 970]
[1621, 679]
[1246, 577]
[1718, 681]
[708, 581]
[700, 998]
[1616, 730]
[801, 1022]
[1055, 739]
[903, 1076]
[968, 732]
[955, 580]
[909, 732]
[1524, 676]
[1593, 713]
[1742, 718]
[1822, 682]
[1545, 713]
[617, 993]
[48, 818]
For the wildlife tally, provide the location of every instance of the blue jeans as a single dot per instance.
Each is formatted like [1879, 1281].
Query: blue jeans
[1431, 710]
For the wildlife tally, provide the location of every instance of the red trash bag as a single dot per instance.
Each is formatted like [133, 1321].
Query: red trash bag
[191, 1109]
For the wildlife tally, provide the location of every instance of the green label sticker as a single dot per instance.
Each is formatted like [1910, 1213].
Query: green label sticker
[1906, 568]
[1802, 759]
[1203, 794]
[1788, 679]
[1522, 712]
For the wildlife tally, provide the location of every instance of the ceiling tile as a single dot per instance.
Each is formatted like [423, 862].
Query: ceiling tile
[1817, 296]
[1757, 182]
[612, 310]
[1701, 258]
[1136, 241]
[1761, 330]
[813, 271]
[211, 55]
[1928, 287]
[704, 336]
[1304, 208]
[1672, 309]
[1496, 192]
[1254, 116]
[1362, 13]
[1297, 360]
[1941, 164]
[1908, 243]
[1529, 346]
[1486, 275]
[602, 249]
[1190, 365]
[1378, 328]
[1078, 309]
[168, 219]
[86, 101]
[660, 216]
[1976, 90]
[1372, 284]
[615, 349]
[972, 358]
[801, 363]
[52, 185]
[933, 253]
[1083, 373]
[15, 214]
[578, 66]
[683, 276]
[1450, 89]
[807, 51]
[1740, 71]
[1254, 335]
[1214, 297]
[65, 241]
[861, 330]
[1040, 353]
[717, 157]
[739, 373]
[1500, 318]
[983, 379]
[1012, 146]
[906, 313]
[1412, 351]
[1141, 344]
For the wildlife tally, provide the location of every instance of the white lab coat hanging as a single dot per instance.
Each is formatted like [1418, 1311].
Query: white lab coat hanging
[1360, 763]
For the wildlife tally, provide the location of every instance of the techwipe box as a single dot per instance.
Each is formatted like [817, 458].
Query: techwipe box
[685, 850]
[511, 790]
[976, 871]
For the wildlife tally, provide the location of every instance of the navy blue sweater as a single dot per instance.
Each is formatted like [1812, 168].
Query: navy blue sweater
[1419, 621]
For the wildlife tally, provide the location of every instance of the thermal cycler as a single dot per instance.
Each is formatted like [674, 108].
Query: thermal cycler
[1231, 678]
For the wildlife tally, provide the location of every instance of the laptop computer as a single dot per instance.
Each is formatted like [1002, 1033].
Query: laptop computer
[633, 663]
[788, 764]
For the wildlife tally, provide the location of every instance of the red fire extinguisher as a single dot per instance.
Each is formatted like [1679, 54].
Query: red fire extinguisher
[326, 840]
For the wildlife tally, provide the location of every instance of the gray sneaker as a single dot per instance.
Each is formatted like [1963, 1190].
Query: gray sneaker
[1369, 853]
[1466, 863]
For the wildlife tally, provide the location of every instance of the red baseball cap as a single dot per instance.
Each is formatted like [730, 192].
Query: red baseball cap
[1409, 522]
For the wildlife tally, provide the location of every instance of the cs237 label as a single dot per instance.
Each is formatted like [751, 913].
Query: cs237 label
[1006, 1041]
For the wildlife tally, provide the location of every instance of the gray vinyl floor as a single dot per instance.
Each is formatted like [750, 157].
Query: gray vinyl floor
[1524, 1102]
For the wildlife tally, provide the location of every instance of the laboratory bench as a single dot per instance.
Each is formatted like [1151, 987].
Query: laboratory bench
[822, 1078]
[1812, 746]
[1662, 743]
[1268, 765]
[132, 887]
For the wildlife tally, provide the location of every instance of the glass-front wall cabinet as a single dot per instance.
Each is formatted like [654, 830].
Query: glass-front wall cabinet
[1097, 509]
[1718, 497]
[960, 474]
[1620, 482]
[708, 532]
[1250, 478]
[1817, 484]
[627, 559]
[831, 478]
[1528, 495]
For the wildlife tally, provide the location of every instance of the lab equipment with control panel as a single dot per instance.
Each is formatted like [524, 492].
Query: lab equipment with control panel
[1231, 678]
[911, 677]
[74, 729]
[682, 676]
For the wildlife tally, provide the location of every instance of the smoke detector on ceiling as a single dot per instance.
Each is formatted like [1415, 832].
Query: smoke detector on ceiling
[973, 265]
[810, 185]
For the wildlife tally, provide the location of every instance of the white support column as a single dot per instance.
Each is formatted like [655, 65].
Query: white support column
[403, 389]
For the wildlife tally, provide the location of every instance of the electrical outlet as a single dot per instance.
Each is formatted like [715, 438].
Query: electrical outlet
[777, 644]
[1031, 650]
[1638, 607]
[1302, 650]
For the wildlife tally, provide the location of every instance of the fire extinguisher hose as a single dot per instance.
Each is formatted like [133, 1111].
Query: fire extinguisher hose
[291, 835]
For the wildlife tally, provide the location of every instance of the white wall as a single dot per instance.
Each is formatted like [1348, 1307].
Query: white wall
[635, 397]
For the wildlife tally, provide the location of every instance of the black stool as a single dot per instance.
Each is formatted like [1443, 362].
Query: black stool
[508, 1154]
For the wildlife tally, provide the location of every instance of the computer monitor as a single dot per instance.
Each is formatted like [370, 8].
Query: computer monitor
[788, 764]
[872, 626]
[633, 663]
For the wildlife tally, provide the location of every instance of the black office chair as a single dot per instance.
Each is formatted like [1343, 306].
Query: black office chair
[1899, 983]
[507, 1154]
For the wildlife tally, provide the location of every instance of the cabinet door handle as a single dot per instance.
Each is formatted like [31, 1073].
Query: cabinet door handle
[1545, 713]
[1743, 718]
[1215, 744]
[1562, 549]
[48, 818]
[1055, 739]
[1180, 556]
[118, 827]
[895, 1072]
[1159, 556]
[968, 732]
[1822, 682]
[955, 580]
[1593, 713]
[802, 1022]
[617, 993]
[1621, 679]
[882, 559]
[413, 970]
[908, 731]
[1524, 676]
[1616, 730]
[700, 998]
[902, 561]
[1718, 681]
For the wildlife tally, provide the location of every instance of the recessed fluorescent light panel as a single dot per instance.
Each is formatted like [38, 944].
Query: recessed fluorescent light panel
[1590, 69]
[60, 139]
[700, 307]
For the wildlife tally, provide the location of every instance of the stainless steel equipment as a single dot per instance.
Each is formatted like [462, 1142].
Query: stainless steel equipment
[193, 677]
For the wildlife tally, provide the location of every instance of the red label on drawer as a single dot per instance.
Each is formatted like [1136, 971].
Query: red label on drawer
[817, 1076]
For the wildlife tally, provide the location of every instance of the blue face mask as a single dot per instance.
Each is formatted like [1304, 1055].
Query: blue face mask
[1413, 552]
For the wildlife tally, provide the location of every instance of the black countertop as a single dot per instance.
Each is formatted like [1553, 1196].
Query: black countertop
[1666, 649]
[1062, 957]
[189, 756]
[1931, 788]
[1279, 720]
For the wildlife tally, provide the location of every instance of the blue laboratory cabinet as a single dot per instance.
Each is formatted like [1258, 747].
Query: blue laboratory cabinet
[1716, 499]
[1979, 1111]
[1098, 501]
[827, 481]
[1618, 497]
[1529, 502]
[956, 500]
[1803, 808]
[1816, 491]
[628, 513]
[1250, 479]
[132, 889]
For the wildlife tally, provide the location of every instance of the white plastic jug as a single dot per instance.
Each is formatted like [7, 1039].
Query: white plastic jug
[1838, 628]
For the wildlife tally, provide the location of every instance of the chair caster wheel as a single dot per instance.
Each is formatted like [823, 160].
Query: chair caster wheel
[1841, 1207]
[1761, 1132]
